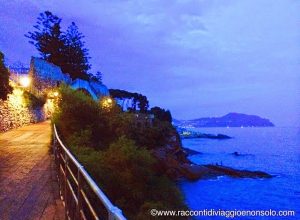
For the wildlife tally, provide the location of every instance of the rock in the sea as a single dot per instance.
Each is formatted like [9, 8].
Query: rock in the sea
[190, 152]
[194, 172]
[236, 153]
[228, 171]
[222, 136]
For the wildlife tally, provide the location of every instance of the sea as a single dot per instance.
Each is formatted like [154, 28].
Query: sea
[275, 150]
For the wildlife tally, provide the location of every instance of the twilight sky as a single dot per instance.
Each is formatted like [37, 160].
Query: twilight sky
[197, 58]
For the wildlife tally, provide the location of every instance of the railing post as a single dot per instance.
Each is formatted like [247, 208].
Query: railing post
[110, 215]
[66, 186]
[54, 145]
[79, 195]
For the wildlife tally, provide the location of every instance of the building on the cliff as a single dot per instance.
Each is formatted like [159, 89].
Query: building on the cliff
[46, 76]
[94, 89]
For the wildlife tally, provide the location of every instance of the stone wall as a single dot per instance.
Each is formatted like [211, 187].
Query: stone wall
[14, 113]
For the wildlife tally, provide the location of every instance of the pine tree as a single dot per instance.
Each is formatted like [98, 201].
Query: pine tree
[97, 77]
[65, 50]
[76, 55]
[5, 88]
[48, 38]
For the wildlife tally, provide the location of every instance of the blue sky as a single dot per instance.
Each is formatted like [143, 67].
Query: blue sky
[196, 58]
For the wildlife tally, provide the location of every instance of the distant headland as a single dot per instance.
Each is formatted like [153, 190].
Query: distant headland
[229, 120]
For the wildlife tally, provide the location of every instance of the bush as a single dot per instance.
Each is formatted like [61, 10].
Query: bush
[78, 113]
[149, 136]
[125, 172]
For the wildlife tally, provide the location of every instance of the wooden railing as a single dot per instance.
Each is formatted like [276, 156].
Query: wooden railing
[82, 198]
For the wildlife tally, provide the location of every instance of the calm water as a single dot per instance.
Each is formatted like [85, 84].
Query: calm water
[273, 150]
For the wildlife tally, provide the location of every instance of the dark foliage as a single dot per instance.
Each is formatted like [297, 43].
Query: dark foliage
[97, 77]
[79, 115]
[33, 101]
[48, 38]
[5, 88]
[146, 135]
[127, 174]
[75, 54]
[161, 114]
[62, 49]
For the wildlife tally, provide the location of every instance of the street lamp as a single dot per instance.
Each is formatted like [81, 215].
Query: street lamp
[109, 100]
[25, 81]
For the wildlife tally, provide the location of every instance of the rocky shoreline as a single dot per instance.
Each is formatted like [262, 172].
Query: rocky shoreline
[173, 160]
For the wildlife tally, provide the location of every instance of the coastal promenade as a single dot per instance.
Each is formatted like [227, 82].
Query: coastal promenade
[28, 184]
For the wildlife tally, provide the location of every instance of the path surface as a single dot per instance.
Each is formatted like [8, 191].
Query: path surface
[28, 187]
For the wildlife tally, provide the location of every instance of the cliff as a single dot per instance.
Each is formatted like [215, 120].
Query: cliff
[173, 161]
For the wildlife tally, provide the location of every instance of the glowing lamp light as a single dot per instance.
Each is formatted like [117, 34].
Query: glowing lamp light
[55, 94]
[109, 100]
[25, 81]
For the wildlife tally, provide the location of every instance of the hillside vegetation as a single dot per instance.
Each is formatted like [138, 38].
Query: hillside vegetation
[116, 150]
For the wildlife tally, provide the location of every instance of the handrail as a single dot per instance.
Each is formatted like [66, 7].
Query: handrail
[62, 162]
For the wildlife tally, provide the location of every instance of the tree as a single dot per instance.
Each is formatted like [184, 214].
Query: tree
[5, 88]
[97, 77]
[161, 114]
[143, 103]
[65, 50]
[76, 55]
[48, 38]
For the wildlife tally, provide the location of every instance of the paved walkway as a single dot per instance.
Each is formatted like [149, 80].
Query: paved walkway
[28, 187]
